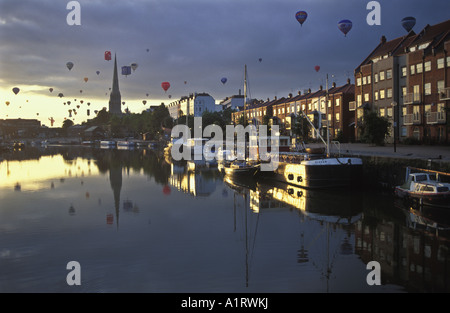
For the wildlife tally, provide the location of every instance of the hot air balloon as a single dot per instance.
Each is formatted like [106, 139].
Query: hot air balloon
[7, 103]
[123, 102]
[165, 86]
[223, 80]
[317, 68]
[52, 120]
[185, 82]
[70, 113]
[170, 96]
[51, 89]
[69, 65]
[98, 72]
[78, 106]
[60, 95]
[260, 60]
[81, 90]
[301, 17]
[144, 102]
[108, 55]
[88, 112]
[16, 90]
[147, 94]
[86, 79]
[81, 101]
[408, 23]
[126, 70]
[88, 103]
[95, 111]
[166, 190]
[148, 50]
[134, 66]
[68, 102]
[345, 26]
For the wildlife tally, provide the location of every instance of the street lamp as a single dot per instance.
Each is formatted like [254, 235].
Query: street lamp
[396, 116]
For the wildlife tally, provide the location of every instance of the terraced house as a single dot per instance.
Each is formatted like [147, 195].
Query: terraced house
[286, 110]
[406, 80]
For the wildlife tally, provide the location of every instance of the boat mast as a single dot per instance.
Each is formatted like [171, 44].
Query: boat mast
[328, 122]
[245, 92]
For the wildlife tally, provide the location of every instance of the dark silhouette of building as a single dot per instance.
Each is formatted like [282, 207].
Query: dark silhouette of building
[114, 97]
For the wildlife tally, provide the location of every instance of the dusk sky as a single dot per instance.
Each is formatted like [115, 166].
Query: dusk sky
[190, 43]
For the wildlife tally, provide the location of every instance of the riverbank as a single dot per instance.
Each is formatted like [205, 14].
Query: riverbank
[385, 168]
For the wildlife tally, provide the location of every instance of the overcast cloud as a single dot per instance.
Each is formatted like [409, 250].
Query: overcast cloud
[194, 41]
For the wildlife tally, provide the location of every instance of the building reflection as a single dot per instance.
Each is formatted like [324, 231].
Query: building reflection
[198, 183]
[412, 249]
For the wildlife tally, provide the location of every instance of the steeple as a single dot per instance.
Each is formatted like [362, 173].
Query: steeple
[114, 97]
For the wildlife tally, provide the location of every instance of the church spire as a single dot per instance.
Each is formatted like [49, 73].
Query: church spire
[114, 97]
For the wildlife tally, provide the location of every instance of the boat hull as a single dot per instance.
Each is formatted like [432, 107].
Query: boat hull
[412, 198]
[321, 173]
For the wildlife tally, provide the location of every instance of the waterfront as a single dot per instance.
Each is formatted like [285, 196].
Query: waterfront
[138, 223]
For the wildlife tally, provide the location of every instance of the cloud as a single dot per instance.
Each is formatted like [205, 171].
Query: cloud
[194, 41]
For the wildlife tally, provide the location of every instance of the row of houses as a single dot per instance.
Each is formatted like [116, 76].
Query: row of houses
[405, 80]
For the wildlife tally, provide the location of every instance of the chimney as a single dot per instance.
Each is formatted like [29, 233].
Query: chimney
[383, 39]
[299, 93]
[333, 84]
[348, 80]
[320, 88]
[275, 98]
[290, 95]
[309, 90]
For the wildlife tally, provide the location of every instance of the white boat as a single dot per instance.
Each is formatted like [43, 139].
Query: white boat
[107, 143]
[241, 168]
[423, 189]
[125, 143]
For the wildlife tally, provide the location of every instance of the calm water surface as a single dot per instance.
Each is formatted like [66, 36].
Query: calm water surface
[137, 223]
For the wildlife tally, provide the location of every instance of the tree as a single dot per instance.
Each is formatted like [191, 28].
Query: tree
[301, 128]
[375, 128]
[67, 123]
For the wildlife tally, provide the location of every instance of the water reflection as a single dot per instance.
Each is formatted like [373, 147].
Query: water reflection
[411, 245]
[213, 233]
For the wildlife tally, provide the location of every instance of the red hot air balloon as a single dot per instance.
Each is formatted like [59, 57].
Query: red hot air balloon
[317, 68]
[301, 17]
[108, 55]
[165, 86]
[166, 190]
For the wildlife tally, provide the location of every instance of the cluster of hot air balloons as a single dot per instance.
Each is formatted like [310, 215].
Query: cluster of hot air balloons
[344, 25]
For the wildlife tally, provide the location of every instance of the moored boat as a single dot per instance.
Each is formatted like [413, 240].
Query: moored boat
[422, 189]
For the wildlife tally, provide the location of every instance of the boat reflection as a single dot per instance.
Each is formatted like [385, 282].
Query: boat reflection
[198, 182]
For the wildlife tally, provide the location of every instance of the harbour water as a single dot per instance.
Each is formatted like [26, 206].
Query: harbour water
[135, 222]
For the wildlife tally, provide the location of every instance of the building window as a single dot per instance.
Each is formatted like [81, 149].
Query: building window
[427, 66]
[404, 91]
[448, 61]
[338, 102]
[366, 97]
[338, 117]
[364, 80]
[389, 93]
[382, 94]
[376, 77]
[440, 63]
[382, 112]
[359, 100]
[376, 95]
[369, 79]
[404, 71]
[282, 110]
[427, 89]
[440, 85]
[412, 70]
[419, 68]
[358, 81]
[381, 75]
[388, 74]
[403, 131]
[389, 112]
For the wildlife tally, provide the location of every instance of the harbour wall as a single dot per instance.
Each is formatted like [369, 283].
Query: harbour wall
[383, 172]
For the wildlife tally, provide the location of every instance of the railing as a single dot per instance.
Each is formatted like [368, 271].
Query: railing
[444, 94]
[411, 98]
[412, 119]
[436, 118]
[352, 106]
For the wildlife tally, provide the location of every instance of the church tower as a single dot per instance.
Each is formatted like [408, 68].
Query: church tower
[114, 97]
